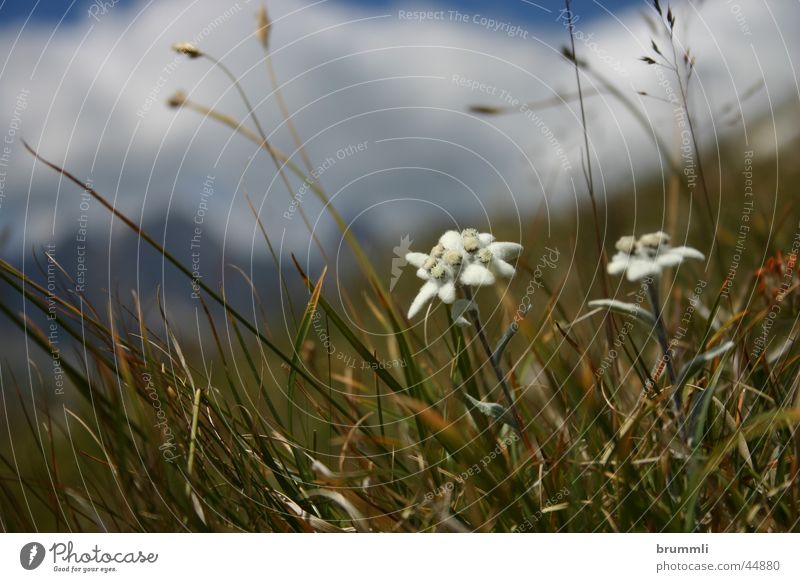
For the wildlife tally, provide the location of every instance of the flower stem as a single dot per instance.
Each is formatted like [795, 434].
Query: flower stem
[501, 377]
[661, 335]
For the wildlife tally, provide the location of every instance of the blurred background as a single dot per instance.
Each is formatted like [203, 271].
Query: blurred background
[382, 95]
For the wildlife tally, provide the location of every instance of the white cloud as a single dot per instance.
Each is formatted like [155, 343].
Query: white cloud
[358, 76]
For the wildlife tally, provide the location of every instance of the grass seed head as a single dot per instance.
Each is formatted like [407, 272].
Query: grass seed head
[188, 49]
[264, 26]
[178, 99]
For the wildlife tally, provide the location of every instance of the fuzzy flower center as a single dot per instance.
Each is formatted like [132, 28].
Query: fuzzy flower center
[485, 256]
[647, 246]
[654, 242]
[453, 258]
[471, 244]
[438, 271]
[627, 245]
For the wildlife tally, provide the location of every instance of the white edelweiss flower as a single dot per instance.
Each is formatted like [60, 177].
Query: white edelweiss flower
[648, 256]
[468, 258]
[489, 263]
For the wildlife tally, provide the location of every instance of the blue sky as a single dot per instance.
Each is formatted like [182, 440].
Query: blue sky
[55, 10]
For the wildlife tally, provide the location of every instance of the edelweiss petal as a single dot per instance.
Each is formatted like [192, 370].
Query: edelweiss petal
[416, 259]
[668, 259]
[688, 253]
[500, 267]
[451, 240]
[476, 275]
[447, 292]
[619, 263]
[486, 239]
[641, 268]
[505, 250]
[427, 292]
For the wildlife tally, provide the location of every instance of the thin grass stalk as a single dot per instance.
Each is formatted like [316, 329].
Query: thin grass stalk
[361, 257]
[175, 262]
[264, 33]
[683, 90]
[610, 321]
[265, 144]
